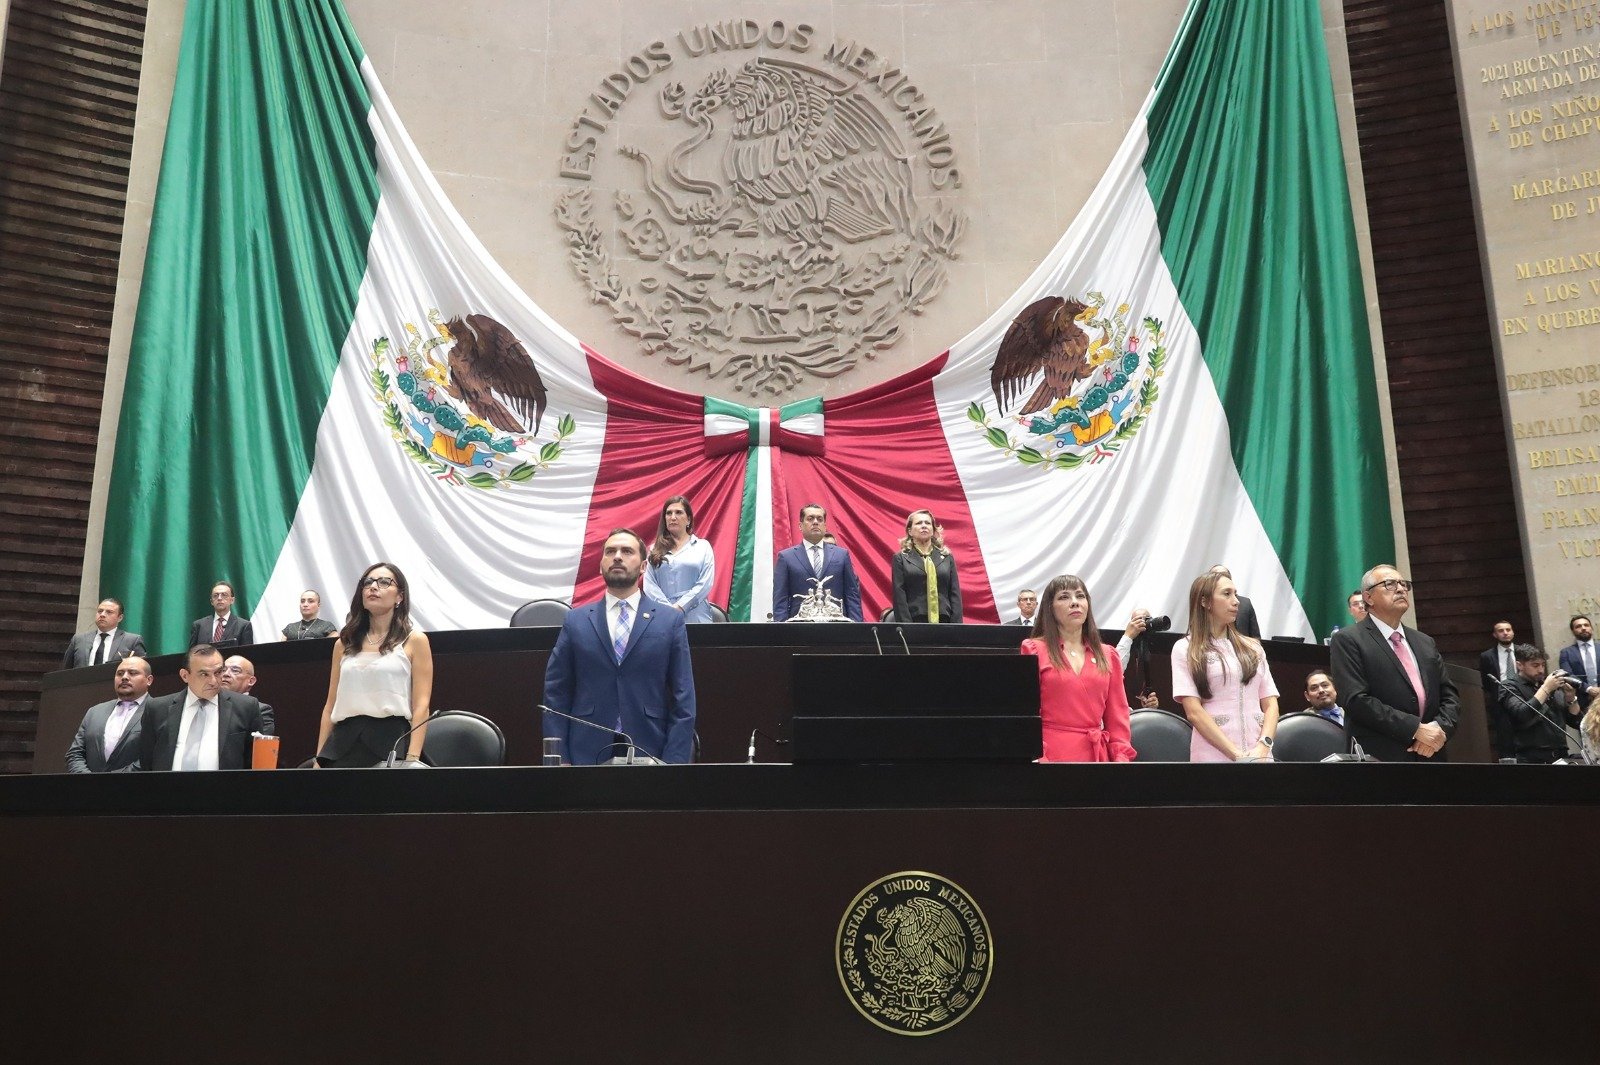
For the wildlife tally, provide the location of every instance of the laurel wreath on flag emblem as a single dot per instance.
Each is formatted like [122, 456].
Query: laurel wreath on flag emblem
[470, 417]
[1099, 382]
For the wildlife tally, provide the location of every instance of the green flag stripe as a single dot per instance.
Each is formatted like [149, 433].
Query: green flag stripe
[744, 561]
[257, 248]
[1247, 176]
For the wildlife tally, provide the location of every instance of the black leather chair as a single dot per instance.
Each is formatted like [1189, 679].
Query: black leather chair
[1160, 736]
[718, 614]
[541, 612]
[1307, 737]
[459, 738]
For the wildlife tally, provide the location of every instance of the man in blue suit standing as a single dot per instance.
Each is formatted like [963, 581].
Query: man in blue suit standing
[1580, 661]
[622, 663]
[797, 565]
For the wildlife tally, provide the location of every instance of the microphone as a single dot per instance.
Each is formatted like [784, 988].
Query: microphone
[902, 634]
[750, 756]
[394, 751]
[879, 642]
[627, 740]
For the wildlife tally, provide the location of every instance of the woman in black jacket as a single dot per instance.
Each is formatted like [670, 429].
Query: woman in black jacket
[926, 588]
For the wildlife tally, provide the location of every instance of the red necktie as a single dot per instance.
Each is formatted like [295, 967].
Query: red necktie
[216, 634]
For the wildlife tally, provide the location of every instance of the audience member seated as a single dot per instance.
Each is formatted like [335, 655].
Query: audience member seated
[108, 739]
[106, 642]
[926, 585]
[310, 626]
[1357, 608]
[221, 627]
[1321, 697]
[205, 726]
[1539, 706]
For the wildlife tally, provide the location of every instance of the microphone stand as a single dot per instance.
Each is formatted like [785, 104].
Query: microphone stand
[636, 755]
[394, 751]
[1538, 708]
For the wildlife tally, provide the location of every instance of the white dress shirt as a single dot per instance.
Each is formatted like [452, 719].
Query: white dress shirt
[95, 645]
[209, 752]
[613, 608]
[1586, 658]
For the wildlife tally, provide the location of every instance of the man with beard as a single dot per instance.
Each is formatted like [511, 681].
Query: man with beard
[621, 664]
[1539, 706]
[108, 739]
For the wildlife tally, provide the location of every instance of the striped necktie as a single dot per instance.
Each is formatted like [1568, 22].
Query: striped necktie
[619, 645]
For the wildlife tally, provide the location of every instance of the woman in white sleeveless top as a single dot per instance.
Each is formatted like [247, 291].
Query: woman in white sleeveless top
[382, 676]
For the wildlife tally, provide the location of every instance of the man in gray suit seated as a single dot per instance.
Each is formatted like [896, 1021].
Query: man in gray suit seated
[106, 642]
[108, 739]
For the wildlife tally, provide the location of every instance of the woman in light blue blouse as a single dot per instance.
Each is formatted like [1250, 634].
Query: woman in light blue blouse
[681, 565]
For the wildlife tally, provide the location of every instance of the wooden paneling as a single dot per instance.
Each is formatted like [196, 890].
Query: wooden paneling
[68, 84]
[1455, 477]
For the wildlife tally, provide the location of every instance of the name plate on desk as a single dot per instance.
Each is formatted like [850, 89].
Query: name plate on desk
[915, 708]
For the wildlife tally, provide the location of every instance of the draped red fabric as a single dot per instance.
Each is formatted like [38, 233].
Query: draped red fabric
[885, 455]
[654, 449]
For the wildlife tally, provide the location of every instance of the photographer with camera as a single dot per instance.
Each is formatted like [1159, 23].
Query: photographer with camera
[1135, 650]
[1539, 706]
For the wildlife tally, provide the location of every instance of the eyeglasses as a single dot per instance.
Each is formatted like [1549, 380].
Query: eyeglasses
[378, 582]
[222, 595]
[1392, 585]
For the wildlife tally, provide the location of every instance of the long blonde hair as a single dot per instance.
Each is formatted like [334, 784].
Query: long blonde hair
[1591, 726]
[1203, 629]
[1045, 627]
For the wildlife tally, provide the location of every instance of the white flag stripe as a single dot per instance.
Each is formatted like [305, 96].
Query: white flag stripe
[471, 555]
[1139, 525]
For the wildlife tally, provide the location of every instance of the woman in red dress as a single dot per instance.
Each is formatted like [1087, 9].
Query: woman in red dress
[1082, 704]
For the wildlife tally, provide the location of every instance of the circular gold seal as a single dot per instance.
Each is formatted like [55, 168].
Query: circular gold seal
[914, 953]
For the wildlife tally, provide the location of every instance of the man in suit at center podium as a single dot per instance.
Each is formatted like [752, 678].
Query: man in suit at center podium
[814, 557]
[622, 664]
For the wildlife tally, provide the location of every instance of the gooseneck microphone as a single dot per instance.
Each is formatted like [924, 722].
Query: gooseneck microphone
[1537, 707]
[636, 755]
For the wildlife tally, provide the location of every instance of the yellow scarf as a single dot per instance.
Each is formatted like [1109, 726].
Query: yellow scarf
[932, 573]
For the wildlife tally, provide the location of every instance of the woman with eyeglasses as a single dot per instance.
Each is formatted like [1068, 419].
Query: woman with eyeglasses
[1220, 677]
[681, 566]
[382, 677]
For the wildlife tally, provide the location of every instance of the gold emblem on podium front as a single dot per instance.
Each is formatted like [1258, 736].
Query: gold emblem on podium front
[914, 953]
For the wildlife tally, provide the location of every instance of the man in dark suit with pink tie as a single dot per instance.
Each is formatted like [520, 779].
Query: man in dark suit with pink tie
[814, 558]
[1398, 703]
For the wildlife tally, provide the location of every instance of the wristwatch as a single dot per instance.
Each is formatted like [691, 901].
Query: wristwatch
[1266, 741]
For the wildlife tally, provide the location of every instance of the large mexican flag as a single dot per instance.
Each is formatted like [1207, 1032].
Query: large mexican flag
[328, 369]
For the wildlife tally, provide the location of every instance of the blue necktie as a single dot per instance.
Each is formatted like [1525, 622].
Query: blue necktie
[620, 644]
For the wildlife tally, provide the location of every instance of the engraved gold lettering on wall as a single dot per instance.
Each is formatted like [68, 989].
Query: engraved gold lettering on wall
[1530, 81]
[757, 203]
